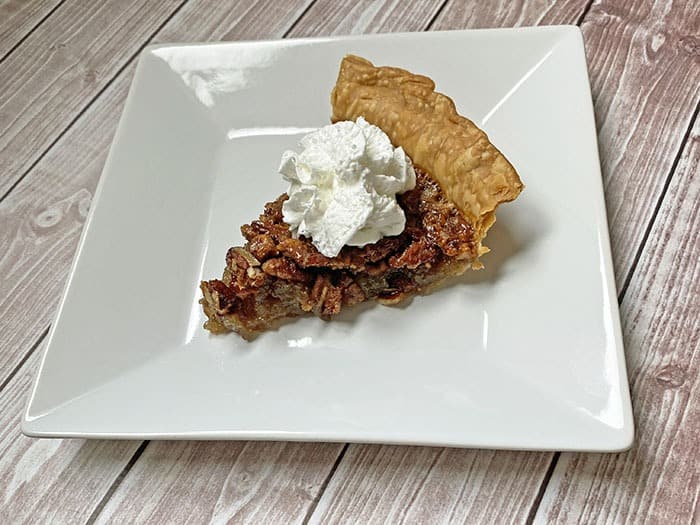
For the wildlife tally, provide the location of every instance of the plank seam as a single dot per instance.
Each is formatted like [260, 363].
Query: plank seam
[111, 81]
[117, 481]
[296, 22]
[436, 15]
[24, 359]
[586, 9]
[659, 202]
[543, 487]
[28, 34]
[324, 485]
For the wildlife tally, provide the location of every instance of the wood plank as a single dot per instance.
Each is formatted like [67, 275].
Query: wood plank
[57, 70]
[329, 17]
[657, 480]
[645, 78]
[50, 480]
[198, 482]
[18, 18]
[212, 20]
[506, 13]
[391, 484]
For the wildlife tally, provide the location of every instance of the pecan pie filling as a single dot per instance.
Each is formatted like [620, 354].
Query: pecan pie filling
[275, 275]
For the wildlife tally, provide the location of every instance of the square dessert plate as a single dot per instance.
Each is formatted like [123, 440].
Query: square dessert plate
[526, 354]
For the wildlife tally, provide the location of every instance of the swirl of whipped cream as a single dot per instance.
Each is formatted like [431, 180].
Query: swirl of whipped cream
[343, 186]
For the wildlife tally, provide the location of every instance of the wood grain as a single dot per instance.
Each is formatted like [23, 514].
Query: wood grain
[505, 13]
[391, 484]
[329, 17]
[18, 18]
[50, 480]
[244, 482]
[42, 223]
[644, 63]
[57, 70]
[658, 480]
[212, 20]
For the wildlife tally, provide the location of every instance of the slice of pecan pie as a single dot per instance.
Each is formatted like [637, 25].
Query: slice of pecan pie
[461, 178]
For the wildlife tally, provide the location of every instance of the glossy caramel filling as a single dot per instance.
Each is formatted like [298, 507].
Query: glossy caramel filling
[274, 275]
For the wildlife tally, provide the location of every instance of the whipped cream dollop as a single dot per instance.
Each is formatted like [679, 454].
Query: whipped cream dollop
[343, 186]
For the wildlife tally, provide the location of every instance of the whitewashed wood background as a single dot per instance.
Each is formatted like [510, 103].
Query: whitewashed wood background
[65, 67]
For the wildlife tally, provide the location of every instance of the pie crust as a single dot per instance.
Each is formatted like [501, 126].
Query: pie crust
[451, 148]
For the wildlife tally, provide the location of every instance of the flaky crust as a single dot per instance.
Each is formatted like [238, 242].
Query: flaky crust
[452, 149]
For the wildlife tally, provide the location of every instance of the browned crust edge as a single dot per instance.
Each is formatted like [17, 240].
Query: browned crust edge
[472, 172]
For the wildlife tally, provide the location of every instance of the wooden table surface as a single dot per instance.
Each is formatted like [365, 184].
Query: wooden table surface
[65, 68]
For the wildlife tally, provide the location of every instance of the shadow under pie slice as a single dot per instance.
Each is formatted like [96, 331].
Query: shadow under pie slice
[461, 178]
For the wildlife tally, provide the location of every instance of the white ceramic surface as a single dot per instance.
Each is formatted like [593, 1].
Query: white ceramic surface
[525, 354]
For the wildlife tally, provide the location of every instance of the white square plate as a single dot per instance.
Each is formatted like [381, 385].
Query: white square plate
[526, 354]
